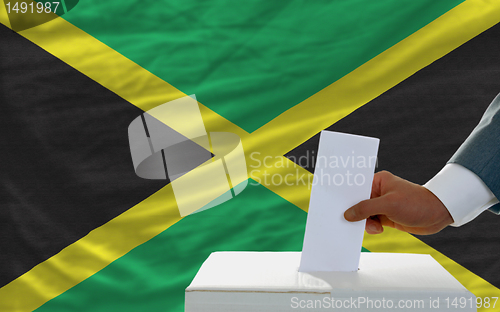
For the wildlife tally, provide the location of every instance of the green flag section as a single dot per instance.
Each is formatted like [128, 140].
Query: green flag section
[251, 61]
[153, 276]
[421, 122]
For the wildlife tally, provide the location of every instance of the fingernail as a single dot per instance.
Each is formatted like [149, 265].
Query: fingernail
[373, 227]
[349, 214]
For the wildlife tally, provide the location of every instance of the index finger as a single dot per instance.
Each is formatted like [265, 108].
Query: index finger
[368, 208]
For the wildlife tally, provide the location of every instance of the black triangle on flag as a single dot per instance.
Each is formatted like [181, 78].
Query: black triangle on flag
[65, 159]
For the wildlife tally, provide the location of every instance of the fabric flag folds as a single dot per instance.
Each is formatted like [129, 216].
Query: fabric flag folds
[82, 232]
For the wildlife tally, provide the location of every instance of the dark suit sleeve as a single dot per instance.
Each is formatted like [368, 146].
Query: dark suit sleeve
[480, 153]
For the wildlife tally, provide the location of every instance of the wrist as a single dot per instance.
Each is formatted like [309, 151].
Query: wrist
[440, 215]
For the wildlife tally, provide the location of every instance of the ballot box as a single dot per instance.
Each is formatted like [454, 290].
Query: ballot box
[271, 282]
[331, 272]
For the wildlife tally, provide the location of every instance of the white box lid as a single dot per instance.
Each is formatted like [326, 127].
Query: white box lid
[278, 272]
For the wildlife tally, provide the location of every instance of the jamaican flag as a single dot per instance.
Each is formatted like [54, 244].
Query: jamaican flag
[80, 231]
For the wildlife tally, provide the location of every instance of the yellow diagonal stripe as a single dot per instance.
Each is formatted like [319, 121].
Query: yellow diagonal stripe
[378, 75]
[140, 223]
[4, 18]
[90, 254]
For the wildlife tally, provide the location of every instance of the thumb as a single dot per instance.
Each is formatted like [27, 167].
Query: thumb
[366, 209]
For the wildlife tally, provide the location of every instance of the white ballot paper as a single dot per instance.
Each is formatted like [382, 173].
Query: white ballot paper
[343, 176]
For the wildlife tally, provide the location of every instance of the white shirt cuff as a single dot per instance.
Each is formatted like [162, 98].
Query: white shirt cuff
[462, 192]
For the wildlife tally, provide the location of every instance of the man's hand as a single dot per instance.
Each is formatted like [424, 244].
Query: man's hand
[400, 204]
